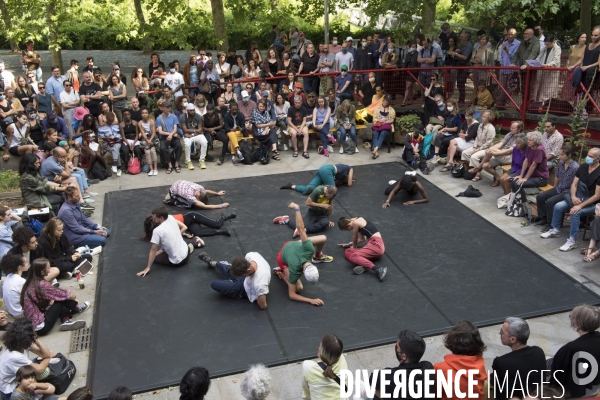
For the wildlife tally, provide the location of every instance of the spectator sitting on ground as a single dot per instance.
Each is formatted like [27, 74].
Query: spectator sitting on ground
[57, 249]
[467, 348]
[194, 384]
[7, 221]
[518, 156]
[499, 154]
[522, 360]
[20, 339]
[44, 304]
[55, 168]
[18, 141]
[486, 132]
[256, 382]
[552, 140]
[580, 201]
[585, 320]
[13, 265]
[55, 122]
[36, 190]
[26, 245]
[83, 393]
[410, 347]
[546, 200]
[320, 379]
[187, 194]
[27, 386]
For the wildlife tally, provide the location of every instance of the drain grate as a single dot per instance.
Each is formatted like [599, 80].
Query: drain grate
[81, 339]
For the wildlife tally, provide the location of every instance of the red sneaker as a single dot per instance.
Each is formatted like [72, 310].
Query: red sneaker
[282, 220]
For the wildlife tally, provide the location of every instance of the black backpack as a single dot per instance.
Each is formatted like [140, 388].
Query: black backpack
[261, 154]
[61, 374]
[246, 149]
[97, 172]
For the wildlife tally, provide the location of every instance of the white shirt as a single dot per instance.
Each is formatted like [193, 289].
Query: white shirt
[174, 80]
[221, 69]
[8, 78]
[11, 294]
[68, 98]
[344, 59]
[168, 237]
[10, 362]
[257, 284]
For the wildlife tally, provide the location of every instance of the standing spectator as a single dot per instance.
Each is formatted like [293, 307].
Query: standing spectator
[445, 35]
[588, 61]
[426, 58]
[274, 34]
[272, 66]
[552, 140]
[335, 47]
[41, 101]
[279, 43]
[7, 77]
[310, 66]
[575, 53]
[191, 77]
[256, 383]
[412, 63]
[320, 380]
[174, 80]
[529, 49]
[54, 87]
[73, 75]
[90, 67]
[118, 96]
[33, 60]
[344, 58]
[482, 57]
[508, 50]
[364, 60]
[210, 76]
[302, 45]
[326, 64]
[546, 82]
[223, 68]
[69, 100]
[462, 58]
[251, 52]
[194, 384]
[521, 361]
[389, 60]
[294, 37]
[538, 31]
[155, 63]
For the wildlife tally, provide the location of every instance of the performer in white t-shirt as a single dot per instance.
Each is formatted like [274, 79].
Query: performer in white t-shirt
[247, 277]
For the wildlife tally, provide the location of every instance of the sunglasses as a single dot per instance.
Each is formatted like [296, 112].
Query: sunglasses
[67, 85]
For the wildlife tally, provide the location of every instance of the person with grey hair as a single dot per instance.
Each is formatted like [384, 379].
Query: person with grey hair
[522, 360]
[534, 172]
[581, 200]
[256, 383]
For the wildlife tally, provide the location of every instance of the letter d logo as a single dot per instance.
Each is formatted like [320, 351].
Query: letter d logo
[590, 366]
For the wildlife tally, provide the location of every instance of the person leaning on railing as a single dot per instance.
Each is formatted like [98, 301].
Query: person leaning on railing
[546, 82]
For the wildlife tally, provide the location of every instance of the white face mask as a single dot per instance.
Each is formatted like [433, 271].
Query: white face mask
[334, 42]
[372, 80]
[390, 50]
[440, 103]
[450, 108]
[344, 73]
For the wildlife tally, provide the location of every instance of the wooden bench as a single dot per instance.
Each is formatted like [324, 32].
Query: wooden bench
[507, 168]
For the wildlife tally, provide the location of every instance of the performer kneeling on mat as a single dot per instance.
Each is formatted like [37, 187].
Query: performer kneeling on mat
[244, 277]
[297, 258]
[329, 174]
[363, 258]
[192, 222]
[187, 194]
[409, 184]
[320, 203]
[168, 247]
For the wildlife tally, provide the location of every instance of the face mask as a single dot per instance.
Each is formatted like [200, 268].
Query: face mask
[246, 99]
[286, 57]
[344, 73]
[589, 160]
[364, 44]
[334, 42]
[412, 49]
[372, 80]
[536, 32]
[441, 107]
[440, 103]
[450, 108]
[172, 70]
[390, 50]
[344, 50]
[2, 97]
[200, 104]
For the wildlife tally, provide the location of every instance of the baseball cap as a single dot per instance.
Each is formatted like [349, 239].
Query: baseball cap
[419, 128]
[51, 116]
[116, 67]
[298, 85]
[245, 93]
[349, 39]
[311, 273]
[344, 67]
[264, 93]
[190, 106]
[62, 143]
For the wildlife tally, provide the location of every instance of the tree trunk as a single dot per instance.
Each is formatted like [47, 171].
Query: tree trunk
[14, 47]
[219, 20]
[142, 21]
[53, 36]
[585, 16]
[428, 18]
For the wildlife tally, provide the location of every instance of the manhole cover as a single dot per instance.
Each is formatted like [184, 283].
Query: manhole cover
[80, 339]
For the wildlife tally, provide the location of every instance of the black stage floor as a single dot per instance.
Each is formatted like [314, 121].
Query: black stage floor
[445, 263]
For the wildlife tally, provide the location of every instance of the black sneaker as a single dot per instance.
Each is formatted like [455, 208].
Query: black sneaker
[228, 216]
[546, 228]
[220, 161]
[93, 181]
[224, 232]
[204, 257]
[87, 207]
[71, 325]
[88, 213]
[381, 273]
[286, 186]
[540, 221]
[209, 158]
[82, 307]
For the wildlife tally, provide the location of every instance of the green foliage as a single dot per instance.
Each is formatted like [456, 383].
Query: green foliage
[9, 180]
[406, 123]
[542, 124]
[578, 131]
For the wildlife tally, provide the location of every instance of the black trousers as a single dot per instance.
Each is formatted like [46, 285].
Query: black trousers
[314, 221]
[195, 220]
[223, 138]
[69, 266]
[60, 309]
[165, 155]
[126, 153]
[443, 142]
[211, 97]
[163, 259]
[266, 140]
[546, 201]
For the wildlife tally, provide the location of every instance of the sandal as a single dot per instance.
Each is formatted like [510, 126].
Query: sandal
[473, 170]
[495, 183]
[592, 256]
[169, 170]
[585, 250]
[447, 167]
[295, 153]
[275, 152]
[275, 157]
[477, 178]
[305, 155]
[177, 169]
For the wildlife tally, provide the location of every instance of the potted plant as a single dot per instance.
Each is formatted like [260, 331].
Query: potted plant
[405, 125]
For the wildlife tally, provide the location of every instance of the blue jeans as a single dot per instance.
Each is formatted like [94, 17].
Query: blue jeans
[323, 133]
[325, 176]
[311, 84]
[344, 96]
[342, 134]
[94, 240]
[81, 181]
[564, 206]
[6, 396]
[379, 137]
[231, 286]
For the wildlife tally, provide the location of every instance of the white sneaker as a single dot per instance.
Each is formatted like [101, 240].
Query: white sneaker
[550, 234]
[341, 150]
[570, 245]
[155, 172]
[356, 149]
[119, 172]
[435, 159]
[285, 147]
[114, 169]
[151, 173]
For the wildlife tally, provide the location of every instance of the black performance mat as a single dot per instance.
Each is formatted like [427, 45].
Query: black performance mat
[445, 263]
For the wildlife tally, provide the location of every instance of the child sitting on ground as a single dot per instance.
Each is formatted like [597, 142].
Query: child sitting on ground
[27, 386]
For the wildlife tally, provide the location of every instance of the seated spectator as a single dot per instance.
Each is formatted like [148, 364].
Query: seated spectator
[17, 138]
[57, 249]
[288, 85]
[90, 148]
[36, 132]
[15, 102]
[518, 156]
[439, 113]
[467, 348]
[110, 134]
[27, 386]
[413, 144]
[213, 126]
[483, 99]
[24, 92]
[42, 101]
[200, 103]
[187, 194]
[499, 154]
[346, 124]
[79, 230]
[7, 221]
[26, 245]
[83, 393]
[565, 174]
[147, 138]
[55, 169]
[247, 107]
[280, 109]
[246, 277]
[36, 190]
[410, 347]
[310, 104]
[384, 118]
[228, 95]
[591, 252]
[194, 384]
[450, 130]
[333, 103]
[129, 132]
[191, 124]
[552, 140]
[44, 304]
[167, 97]
[297, 91]
[486, 132]
[343, 84]
[13, 266]
[580, 201]
[57, 123]
[263, 128]
[513, 366]
[256, 382]
[320, 380]
[235, 128]
[432, 93]
[534, 172]
[20, 339]
[181, 103]
[166, 127]
[46, 151]
[585, 320]
[320, 118]
[297, 126]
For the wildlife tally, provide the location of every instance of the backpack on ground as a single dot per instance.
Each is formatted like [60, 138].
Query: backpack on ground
[261, 154]
[97, 172]
[517, 205]
[349, 146]
[246, 149]
[60, 374]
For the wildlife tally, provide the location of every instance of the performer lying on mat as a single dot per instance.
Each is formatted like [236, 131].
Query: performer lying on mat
[247, 277]
[328, 174]
[320, 207]
[168, 247]
[192, 222]
[187, 194]
[363, 258]
[409, 184]
[297, 258]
